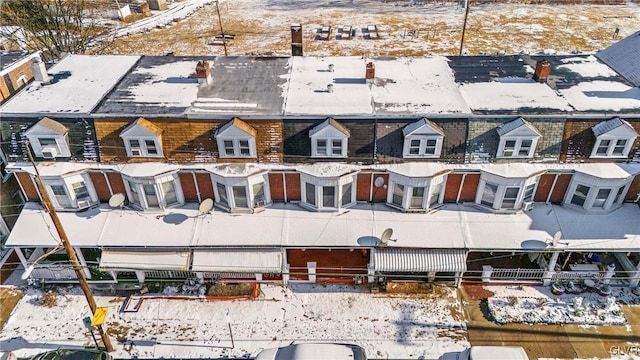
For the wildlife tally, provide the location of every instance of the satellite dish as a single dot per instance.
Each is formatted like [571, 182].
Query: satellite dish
[27, 272]
[386, 237]
[116, 200]
[379, 182]
[556, 238]
[205, 206]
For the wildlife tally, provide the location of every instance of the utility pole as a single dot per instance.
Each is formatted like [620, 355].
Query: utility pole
[464, 26]
[67, 246]
[224, 38]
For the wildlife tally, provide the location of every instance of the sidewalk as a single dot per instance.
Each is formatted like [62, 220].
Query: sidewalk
[550, 341]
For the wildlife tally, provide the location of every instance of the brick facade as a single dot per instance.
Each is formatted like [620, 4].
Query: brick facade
[293, 187]
[579, 140]
[100, 185]
[9, 84]
[276, 186]
[28, 187]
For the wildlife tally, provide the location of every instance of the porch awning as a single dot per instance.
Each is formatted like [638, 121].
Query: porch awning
[419, 260]
[268, 260]
[144, 260]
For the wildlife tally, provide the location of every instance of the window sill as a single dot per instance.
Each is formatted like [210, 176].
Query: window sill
[237, 157]
[592, 210]
[497, 211]
[421, 156]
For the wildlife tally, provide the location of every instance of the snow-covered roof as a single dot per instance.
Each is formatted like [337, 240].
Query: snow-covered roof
[46, 125]
[452, 226]
[601, 95]
[79, 83]
[515, 170]
[624, 57]
[518, 126]
[513, 95]
[422, 127]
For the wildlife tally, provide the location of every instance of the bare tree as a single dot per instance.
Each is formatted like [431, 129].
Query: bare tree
[56, 26]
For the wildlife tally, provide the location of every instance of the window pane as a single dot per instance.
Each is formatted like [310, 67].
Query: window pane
[135, 197]
[321, 147]
[58, 190]
[134, 144]
[259, 199]
[525, 147]
[328, 196]
[240, 196]
[509, 147]
[47, 142]
[619, 148]
[603, 147]
[169, 190]
[435, 194]
[222, 195]
[150, 195]
[228, 148]
[528, 192]
[310, 192]
[346, 194]
[60, 195]
[398, 193]
[414, 147]
[244, 148]
[489, 194]
[430, 148]
[336, 147]
[580, 195]
[80, 189]
[618, 195]
[510, 196]
[417, 198]
[151, 147]
[601, 198]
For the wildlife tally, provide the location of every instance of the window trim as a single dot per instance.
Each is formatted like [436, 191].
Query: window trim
[613, 140]
[517, 147]
[61, 145]
[237, 147]
[137, 185]
[329, 149]
[422, 147]
[72, 200]
[143, 147]
[407, 185]
[337, 183]
[248, 183]
[617, 190]
[502, 185]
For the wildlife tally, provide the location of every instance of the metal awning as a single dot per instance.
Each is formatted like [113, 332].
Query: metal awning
[419, 260]
[246, 260]
[144, 260]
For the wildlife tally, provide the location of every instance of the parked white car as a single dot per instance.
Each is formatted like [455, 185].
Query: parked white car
[314, 351]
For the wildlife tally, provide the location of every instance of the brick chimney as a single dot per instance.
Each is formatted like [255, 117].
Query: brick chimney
[371, 72]
[543, 69]
[203, 72]
[296, 40]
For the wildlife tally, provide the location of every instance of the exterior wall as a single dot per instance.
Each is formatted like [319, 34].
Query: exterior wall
[30, 192]
[483, 139]
[452, 188]
[276, 186]
[331, 263]
[81, 138]
[188, 186]
[100, 185]
[205, 185]
[293, 187]
[297, 144]
[634, 189]
[365, 191]
[579, 140]
[560, 189]
[469, 188]
[185, 140]
[9, 84]
[116, 182]
[390, 141]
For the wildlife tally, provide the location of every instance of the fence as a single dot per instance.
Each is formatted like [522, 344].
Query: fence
[517, 274]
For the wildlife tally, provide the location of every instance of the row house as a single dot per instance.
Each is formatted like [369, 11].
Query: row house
[308, 168]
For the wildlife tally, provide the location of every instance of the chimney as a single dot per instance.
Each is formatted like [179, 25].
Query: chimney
[371, 72]
[203, 72]
[296, 40]
[40, 71]
[543, 69]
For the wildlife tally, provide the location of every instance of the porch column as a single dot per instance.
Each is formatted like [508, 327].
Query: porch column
[459, 278]
[83, 263]
[285, 275]
[140, 275]
[634, 278]
[551, 269]
[258, 277]
[23, 259]
[371, 274]
[611, 270]
[200, 277]
[486, 273]
[311, 266]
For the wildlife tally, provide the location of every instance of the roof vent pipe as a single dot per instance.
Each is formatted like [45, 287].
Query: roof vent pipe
[40, 71]
[330, 88]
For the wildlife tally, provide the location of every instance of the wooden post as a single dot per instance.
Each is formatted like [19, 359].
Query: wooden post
[464, 26]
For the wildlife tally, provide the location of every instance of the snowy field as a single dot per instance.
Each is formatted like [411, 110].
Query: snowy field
[406, 28]
[386, 326]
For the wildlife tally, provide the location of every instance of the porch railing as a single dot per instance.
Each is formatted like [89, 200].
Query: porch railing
[517, 274]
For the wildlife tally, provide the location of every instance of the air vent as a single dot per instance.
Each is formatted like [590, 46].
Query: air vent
[84, 203]
[136, 152]
[49, 152]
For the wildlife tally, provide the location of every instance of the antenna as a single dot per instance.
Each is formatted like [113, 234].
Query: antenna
[205, 206]
[116, 200]
[379, 182]
[386, 237]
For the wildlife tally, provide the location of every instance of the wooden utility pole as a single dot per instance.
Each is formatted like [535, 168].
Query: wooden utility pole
[464, 25]
[67, 246]
[224, 38]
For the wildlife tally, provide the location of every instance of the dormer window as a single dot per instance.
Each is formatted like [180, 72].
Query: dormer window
[73, 192]
[518, 139]
[422, 139]
[614, 139]
[329, 139]
[142, 139]
[236, 139]
[49, 139]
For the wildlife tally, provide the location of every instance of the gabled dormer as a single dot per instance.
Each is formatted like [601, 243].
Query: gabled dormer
[142, 139]
[614, 139]
[49, 139]
[518, 139]
[422, 139]
[236, 139]
[329, 140]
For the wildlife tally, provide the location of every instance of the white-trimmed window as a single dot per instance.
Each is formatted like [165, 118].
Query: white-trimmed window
[236, 139]
[518, 139]
[594, 194]
[142, 139]
[154, 193]
[328, 194]
[422, 139]
[74, 192]
[241, 194]
[500, 193]
[22, 80]
[49, 139]
[614, 139]
[329, 139]
[415, 194]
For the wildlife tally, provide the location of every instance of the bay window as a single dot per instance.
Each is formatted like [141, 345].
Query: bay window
[241, 193]
[414, 193]
[72, 192]
[590, 193]
[160, 192]
[328, 193]
[506, 191]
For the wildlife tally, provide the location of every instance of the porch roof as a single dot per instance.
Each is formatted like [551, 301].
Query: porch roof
[288, 225]
[268, 260]
[419, 260]
[144, 260]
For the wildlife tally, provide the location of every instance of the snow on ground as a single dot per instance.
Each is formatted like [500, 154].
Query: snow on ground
[387, 326]
[525, 304]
